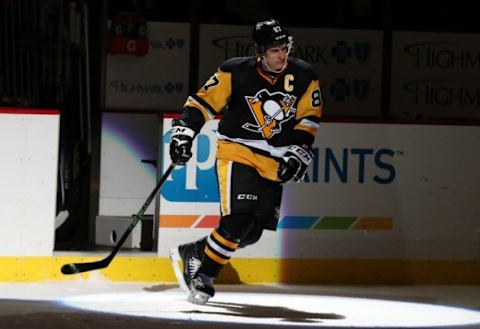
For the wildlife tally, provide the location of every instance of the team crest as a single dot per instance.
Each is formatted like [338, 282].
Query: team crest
[270, 111]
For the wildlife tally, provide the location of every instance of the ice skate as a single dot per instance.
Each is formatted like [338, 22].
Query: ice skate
[201, 289]
[189, 257]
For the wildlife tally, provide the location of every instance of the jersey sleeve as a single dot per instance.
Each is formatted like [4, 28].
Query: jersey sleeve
[213, 96]
[309, 111]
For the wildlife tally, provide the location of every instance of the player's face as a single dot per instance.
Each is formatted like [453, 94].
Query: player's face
[276, 57]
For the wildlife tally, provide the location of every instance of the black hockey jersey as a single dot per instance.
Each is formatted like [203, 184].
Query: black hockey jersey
[261, 114]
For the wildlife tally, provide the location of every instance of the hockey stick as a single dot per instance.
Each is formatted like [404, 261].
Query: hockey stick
[74, 268]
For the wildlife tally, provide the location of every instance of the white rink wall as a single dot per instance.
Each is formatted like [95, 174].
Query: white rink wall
[28, 181]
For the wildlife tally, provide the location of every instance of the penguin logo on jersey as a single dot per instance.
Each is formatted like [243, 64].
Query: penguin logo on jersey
[270, 111]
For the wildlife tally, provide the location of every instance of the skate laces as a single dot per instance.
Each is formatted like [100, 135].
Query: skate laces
[193, 264]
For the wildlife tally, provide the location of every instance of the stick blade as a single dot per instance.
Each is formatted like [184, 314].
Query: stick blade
[69, 269]
[74, 268]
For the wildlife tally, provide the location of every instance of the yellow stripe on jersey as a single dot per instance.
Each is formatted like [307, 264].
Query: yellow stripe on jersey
[223, 171]
[308, 126]
[216, 91]
[306, 106]
[265, 166]
[225, 242]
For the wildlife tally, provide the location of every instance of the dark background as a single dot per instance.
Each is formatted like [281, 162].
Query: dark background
[424, 15]
[45, 45]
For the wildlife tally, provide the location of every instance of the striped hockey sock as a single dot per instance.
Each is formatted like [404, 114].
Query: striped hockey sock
[218, 251]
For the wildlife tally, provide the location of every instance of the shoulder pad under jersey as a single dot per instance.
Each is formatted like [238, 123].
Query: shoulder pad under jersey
[234, 63]
[303, 66]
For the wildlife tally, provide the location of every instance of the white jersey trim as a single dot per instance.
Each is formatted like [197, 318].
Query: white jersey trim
[309, 123]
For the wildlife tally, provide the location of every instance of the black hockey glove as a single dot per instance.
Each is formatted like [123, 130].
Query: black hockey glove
[294, 164]
[181, 137]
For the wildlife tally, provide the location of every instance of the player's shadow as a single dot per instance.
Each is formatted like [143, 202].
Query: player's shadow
[261, 311]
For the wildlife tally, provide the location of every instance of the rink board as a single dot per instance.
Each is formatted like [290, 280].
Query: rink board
[144, 268]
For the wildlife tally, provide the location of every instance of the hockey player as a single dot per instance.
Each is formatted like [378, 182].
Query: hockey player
[271, 106]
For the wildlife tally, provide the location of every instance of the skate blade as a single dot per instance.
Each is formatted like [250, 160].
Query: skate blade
[175, 260]
[198, 298]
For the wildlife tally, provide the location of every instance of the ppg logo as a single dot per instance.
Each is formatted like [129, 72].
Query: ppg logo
[196, 181]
